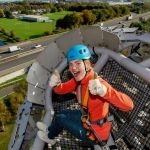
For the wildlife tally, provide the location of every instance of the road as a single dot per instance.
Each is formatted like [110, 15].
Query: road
[17, 64]
[123, 19]
[27, 45]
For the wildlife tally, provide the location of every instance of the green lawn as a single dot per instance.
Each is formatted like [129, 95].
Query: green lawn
[25, 30]
[29, 30]
[57, 15]
[13, 81]
[5, 136]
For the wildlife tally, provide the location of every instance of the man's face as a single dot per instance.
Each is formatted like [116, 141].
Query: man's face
[77, 68]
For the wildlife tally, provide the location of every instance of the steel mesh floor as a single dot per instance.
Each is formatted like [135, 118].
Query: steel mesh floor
[131, 129]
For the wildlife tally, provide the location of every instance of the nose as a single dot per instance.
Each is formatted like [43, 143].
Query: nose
[73, 67]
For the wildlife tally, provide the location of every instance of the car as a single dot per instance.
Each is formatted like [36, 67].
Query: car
[37, 46]
[14, 48]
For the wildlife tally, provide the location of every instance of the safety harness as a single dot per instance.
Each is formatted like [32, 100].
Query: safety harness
[91, 132]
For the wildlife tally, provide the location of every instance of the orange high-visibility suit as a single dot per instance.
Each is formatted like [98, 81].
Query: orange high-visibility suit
[98, 107]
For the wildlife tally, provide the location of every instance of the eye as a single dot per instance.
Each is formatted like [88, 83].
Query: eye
[70, 65]
[79, 63]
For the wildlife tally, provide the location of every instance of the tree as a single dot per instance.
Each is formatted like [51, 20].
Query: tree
[5, 115]
[70, 21]
[8, 14]
[106, 14]
[88, 17]
[2, 15]
[136, 24]
[17, 39]
[26, 2]
[54, 9]
[112, 12]
[117, 10]
[124, 10]
[3, 31]
[146, 6]
[12, 34]
[60, 9]
[22, 87]
[15, 101]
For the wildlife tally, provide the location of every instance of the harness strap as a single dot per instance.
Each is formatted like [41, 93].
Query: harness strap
[102, 121]
[83, 100]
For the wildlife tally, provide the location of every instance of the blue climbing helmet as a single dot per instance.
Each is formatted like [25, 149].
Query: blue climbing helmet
[78, 52]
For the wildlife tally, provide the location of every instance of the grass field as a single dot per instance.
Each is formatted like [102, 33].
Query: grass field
[26, 30]
[29, 30]
[57, 15]
[13, 81]
[5, 136]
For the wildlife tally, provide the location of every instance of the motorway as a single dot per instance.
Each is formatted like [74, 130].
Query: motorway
[28, 45]
[124, 21]
[16, 59]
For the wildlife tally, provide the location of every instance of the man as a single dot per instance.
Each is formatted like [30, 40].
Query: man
[92, 124]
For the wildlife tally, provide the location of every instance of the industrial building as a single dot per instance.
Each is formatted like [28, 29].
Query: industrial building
[34, 18]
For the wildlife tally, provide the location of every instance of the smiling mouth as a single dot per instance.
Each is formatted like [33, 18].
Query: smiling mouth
[75, 74]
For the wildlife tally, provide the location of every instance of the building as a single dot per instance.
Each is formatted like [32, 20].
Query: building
[34, 18]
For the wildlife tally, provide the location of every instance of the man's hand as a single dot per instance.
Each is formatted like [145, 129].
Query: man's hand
[54, 79]
[97, 88]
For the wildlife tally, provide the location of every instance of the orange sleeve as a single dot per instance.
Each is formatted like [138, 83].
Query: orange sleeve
[116, 98]
[66, 87]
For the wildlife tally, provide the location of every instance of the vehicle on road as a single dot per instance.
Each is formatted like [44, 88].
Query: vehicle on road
[129, 17]
[14, 48]
[37, 46]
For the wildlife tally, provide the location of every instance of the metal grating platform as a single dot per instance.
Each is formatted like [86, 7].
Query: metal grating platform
[131, 129]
